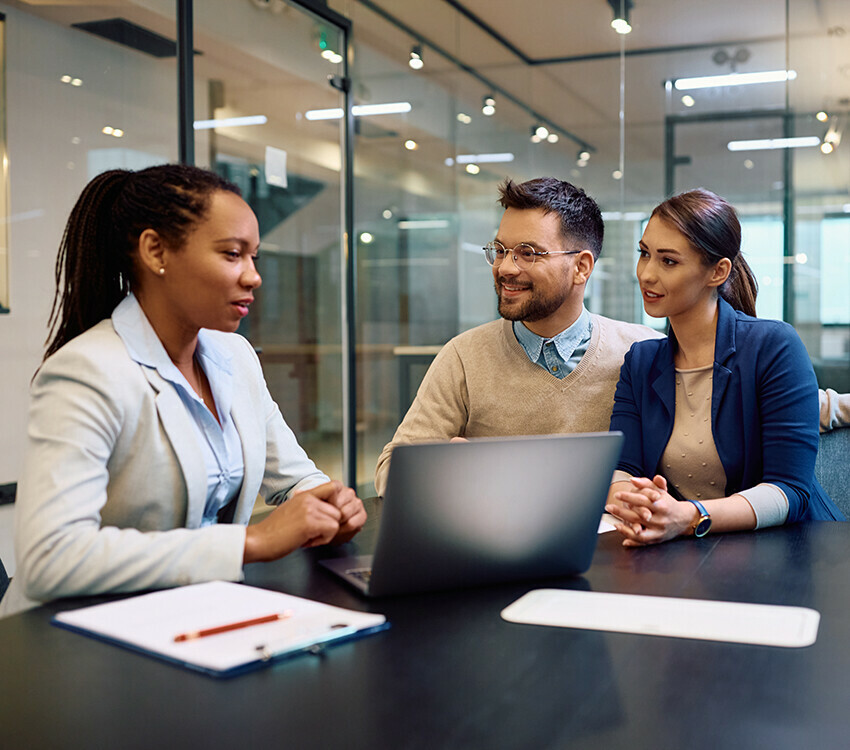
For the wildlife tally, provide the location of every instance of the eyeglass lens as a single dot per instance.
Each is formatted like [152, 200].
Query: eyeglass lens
[523, 255]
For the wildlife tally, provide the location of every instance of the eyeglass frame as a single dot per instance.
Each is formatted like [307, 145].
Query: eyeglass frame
[535, 253]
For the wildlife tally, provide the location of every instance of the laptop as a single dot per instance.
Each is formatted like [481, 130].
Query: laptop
[490, 510]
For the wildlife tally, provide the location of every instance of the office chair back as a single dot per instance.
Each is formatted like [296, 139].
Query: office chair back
[832, 468]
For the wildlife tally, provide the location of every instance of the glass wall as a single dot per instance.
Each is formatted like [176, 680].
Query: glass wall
[267, 118]
[426, 171]
[425, 195]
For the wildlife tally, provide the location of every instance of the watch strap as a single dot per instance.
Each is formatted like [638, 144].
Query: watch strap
[703, 520]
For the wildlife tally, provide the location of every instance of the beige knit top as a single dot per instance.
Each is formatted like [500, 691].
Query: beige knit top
[690, 461]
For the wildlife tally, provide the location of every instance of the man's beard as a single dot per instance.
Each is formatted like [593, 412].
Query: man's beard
[537, 306]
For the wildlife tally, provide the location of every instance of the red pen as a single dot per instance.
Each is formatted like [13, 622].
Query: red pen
[193, 634]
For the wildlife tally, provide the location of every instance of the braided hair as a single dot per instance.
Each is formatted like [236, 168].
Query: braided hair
[96, 264]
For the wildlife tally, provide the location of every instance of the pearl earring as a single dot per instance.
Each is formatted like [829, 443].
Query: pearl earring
[161, 271]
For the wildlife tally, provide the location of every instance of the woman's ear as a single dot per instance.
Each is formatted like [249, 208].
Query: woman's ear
[721, 272]
[152, 251]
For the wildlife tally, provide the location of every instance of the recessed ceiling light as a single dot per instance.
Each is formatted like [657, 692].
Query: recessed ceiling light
[484, 158]
[734, 79]
[762, 144]
[230, 122]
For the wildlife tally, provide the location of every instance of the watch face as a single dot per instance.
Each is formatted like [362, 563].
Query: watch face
[703, 526]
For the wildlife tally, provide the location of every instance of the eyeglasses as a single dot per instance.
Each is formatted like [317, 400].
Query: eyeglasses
[523, 254]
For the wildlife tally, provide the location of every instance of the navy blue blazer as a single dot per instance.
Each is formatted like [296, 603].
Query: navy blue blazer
[764, 410]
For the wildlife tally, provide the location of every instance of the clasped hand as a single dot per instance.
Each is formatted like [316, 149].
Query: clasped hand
[648, 514]
[329, 513]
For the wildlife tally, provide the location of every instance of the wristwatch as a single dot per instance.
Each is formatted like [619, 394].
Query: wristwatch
[701, 526]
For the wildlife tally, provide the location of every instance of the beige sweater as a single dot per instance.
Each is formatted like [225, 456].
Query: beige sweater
[482, 384]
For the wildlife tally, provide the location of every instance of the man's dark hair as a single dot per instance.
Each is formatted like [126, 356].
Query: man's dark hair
[581, 219]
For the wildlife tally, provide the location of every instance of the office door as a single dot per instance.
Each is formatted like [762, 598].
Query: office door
[268, 118]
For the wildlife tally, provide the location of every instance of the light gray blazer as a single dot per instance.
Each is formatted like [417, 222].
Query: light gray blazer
[114, 483]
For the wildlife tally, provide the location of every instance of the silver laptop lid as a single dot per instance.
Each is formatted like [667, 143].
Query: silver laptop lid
[491, 510]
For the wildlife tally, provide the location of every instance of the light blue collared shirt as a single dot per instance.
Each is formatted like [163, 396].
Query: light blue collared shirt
[219, 443]
[561, 354]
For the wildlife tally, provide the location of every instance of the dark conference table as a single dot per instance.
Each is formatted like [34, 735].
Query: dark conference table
[450, 673]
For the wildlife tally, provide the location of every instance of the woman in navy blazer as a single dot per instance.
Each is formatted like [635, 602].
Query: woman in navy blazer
[151, 430]
[721, 417]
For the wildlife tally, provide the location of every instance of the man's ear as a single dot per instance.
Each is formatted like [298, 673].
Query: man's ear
[152, 251]
[583, 267]
[721, 272]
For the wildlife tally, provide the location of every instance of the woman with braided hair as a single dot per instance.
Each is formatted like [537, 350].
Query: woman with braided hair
[151, 428]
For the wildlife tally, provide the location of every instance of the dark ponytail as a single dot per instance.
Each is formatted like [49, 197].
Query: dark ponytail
[740, 289]
[96, 265]
[711, 226]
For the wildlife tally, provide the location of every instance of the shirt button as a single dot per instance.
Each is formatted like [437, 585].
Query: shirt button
[712, 484]
[555, 369]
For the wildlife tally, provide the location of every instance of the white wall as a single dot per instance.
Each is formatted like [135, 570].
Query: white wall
[122, 88]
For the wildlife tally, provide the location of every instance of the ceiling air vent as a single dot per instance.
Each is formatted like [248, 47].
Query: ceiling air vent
[131, 35]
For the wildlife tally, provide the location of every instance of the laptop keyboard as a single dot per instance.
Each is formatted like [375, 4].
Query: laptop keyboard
[361, 574]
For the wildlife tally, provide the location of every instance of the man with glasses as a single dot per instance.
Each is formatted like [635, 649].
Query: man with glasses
[549, 366]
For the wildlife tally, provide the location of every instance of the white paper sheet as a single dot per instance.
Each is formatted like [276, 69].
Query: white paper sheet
[150, 623]
[734, 622]
[276, 167]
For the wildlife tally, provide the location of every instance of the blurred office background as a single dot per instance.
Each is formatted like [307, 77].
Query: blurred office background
[372, 224]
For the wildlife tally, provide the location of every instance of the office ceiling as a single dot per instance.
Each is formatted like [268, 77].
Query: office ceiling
[551, 61]
[561, 59]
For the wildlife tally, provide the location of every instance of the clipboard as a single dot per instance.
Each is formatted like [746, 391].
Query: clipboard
[174, 625]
